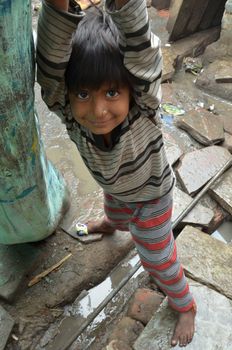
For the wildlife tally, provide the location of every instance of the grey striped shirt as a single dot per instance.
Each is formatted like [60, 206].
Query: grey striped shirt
[135, 167]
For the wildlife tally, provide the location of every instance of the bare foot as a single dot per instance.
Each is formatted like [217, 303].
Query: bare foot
[100, 226]
[185, 327]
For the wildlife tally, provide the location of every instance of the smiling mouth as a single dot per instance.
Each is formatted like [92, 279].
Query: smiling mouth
[100, 122]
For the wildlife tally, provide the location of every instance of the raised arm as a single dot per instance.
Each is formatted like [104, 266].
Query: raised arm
[141, 50]
[120, 3]
[55, 29]
[61, 5]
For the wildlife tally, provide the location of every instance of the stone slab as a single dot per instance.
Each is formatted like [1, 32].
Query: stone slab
[213, 320]
[6, 325]
[227, 121]
[228, 142]
[224, 232]
[222, 191]
[207, 80]
[192, 46]
[199, 215]
[15, 263]
[202, 125]
[206, 259]
[173, 151]
[199, 166]
[220, 215]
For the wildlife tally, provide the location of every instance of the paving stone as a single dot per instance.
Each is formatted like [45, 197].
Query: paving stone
[206, 80]
[173, 151]
[212, 324]
[202, 125]
[143, 304]
[223, 75]
[168, 63]
[224, 232]
[206, 259]
[228, 141]
[222, 191]
[199, 215]
[127, 330]
[220, 215]
[6, 325]
[199, 166]
[227, 121]
[118, 345]
[15, 263]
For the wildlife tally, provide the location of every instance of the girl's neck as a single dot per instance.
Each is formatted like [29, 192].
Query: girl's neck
[107, 139]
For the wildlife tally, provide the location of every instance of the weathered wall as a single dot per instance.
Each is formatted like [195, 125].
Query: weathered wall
[31, 190]
[190, 16]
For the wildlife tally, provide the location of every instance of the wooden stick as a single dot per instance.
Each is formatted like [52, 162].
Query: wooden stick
[38, 278]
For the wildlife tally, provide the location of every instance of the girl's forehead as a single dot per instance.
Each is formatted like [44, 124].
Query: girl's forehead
[107, 86]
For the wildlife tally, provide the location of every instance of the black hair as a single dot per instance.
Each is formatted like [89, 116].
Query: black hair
[96, 57]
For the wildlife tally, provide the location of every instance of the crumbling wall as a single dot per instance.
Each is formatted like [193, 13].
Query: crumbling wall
[190, 16]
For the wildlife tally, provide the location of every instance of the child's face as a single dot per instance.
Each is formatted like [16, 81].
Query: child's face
[101, 110]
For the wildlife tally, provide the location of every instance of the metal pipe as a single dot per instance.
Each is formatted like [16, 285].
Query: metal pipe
[101, 306]
[201, 193]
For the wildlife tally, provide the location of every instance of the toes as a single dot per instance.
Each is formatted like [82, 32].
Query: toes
[190, 337]
[183, 341]
[174, 340]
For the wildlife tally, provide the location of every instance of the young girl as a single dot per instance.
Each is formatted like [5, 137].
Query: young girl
[101, 73]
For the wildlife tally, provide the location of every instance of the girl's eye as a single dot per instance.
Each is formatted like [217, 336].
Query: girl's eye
[83, 95]
[112, 93]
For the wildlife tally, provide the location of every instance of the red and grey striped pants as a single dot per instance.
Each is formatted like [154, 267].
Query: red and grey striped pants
[150, 226]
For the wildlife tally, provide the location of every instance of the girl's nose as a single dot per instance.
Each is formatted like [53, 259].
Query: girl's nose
[99, 108]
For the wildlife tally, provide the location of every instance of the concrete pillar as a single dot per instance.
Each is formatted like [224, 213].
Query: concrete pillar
[32, 192]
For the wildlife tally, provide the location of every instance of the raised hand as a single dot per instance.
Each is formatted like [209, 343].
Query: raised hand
[59, 4]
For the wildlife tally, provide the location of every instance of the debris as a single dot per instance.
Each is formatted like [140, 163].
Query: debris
[38, 278]
[200, 104]
[172, 109]
[84, 4]
[37, 8]
[192, 65]
[82, 229]
[211, 108]
[14, 337]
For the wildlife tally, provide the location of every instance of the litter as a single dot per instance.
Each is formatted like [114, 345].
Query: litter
[43, 274]
[192, 65]
[82, 229]
[172, 109]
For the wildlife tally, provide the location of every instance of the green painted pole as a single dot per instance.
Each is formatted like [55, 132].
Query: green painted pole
[32, 192]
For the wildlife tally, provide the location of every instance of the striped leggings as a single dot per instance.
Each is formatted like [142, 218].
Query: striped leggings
[150, 226]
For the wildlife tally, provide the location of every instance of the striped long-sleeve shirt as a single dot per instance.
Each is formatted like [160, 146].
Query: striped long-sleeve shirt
[135, 167]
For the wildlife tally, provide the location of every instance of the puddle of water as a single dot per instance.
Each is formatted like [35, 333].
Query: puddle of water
[83, 308]
[96, 295]
[224, 232]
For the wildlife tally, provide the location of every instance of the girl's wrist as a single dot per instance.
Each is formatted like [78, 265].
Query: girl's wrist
[120, 3]
[61, 5]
